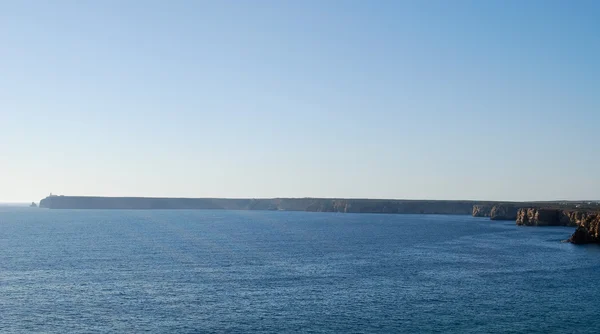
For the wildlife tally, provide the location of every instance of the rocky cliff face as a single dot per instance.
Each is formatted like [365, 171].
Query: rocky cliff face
[587, 223]
[482, 210]
[504, 212]
[543, 217]
[498, 211]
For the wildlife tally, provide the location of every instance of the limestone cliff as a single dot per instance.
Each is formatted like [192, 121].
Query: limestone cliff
[499, 211]
[504, 212]
[482, 210]
[543, 217]
[587, 222]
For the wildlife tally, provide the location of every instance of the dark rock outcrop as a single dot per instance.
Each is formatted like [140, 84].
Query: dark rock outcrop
[588, 227]
[582, 236]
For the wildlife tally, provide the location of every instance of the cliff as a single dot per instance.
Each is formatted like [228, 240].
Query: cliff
[504, 212]
[482, 210]
[537, 213]
[500, 211]
[543, 217]
[587, 222]
[282, 204]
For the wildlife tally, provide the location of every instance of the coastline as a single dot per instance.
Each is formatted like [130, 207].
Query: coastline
[583, 215]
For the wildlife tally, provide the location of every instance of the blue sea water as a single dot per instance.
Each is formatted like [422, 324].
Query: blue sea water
[275, 272]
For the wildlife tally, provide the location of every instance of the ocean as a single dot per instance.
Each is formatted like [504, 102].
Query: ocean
[85, 271]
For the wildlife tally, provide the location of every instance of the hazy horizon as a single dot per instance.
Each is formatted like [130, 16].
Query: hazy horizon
[494, 100]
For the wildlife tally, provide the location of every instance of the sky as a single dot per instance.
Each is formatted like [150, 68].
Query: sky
[486, 100]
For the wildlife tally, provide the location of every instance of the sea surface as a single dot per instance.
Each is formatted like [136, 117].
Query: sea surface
[86, 271]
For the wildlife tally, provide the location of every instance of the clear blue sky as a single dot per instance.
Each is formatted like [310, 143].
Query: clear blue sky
[495, 100]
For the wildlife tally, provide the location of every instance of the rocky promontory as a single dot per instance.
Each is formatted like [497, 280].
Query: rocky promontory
[588, 226]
